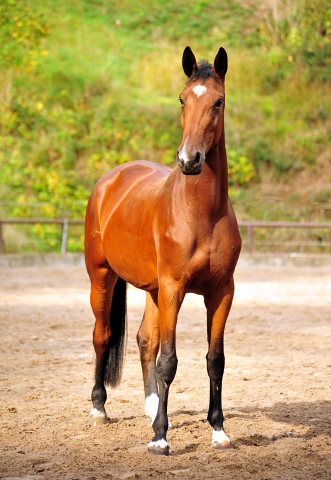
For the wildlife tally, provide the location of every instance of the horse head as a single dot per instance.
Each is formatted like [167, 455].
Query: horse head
[202, 116]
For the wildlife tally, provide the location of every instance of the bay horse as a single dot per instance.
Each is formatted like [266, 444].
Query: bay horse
[168, 232]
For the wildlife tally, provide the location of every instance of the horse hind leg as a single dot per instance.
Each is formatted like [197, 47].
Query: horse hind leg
[108, 302]
[148, 343]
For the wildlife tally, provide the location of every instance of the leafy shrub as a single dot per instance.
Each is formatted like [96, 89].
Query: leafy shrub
[241, 171]
[262, 153]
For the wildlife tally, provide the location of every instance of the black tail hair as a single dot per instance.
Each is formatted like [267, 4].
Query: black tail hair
[116, 349]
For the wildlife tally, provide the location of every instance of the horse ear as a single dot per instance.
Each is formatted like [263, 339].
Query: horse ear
[221, 63]
[189, 62]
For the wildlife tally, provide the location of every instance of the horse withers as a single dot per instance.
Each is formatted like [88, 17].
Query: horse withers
[168, 232]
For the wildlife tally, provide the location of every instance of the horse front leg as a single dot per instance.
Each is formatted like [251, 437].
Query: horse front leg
[148, 339]
[218, 307]
[169, 302]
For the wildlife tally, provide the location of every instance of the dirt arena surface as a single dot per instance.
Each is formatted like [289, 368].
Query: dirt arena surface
[276, 393]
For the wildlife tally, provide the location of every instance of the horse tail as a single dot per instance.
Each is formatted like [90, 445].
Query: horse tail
[116, 348]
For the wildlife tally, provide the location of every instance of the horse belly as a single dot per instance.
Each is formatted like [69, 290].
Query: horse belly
[131, 256]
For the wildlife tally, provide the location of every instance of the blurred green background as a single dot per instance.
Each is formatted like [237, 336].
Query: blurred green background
[87, 85]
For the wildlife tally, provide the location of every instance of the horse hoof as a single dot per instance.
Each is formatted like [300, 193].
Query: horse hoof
[98, 417]
[222, 446]
[220, 440]
[159, 447]
[159, 450]
[94, 421]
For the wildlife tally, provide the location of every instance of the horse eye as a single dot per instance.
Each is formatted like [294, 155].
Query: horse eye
[219, 103]
[181, 101]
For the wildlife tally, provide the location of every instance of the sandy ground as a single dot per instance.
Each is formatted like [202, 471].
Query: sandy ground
[276, 386]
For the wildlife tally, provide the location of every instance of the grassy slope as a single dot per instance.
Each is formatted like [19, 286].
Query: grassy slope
[107, 93]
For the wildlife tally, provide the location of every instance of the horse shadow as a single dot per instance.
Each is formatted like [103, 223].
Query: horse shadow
[315, 415]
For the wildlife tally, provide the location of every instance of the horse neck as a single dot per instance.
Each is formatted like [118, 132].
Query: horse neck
[216, 172]
[206, 195]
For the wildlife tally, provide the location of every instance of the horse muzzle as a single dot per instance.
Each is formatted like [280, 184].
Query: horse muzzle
[190, 165]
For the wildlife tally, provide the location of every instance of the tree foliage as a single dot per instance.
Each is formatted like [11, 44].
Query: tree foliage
[21, 34]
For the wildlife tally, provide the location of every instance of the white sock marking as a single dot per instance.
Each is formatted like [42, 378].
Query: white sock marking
[219, 436]
[152, 405]
[159, 443]
[97, 413]
[199, 90]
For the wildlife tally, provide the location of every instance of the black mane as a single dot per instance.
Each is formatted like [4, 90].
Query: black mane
[204, 70]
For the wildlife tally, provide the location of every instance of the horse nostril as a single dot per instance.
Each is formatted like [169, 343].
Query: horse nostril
[196, 159]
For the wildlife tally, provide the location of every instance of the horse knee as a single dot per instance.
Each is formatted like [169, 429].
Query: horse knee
[167, 367]
[215, 366]
[144, 347]
[138, 337]
[142, 339]
[148, 346]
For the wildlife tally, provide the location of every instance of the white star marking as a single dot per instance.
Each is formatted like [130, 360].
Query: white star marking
[199, 90]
